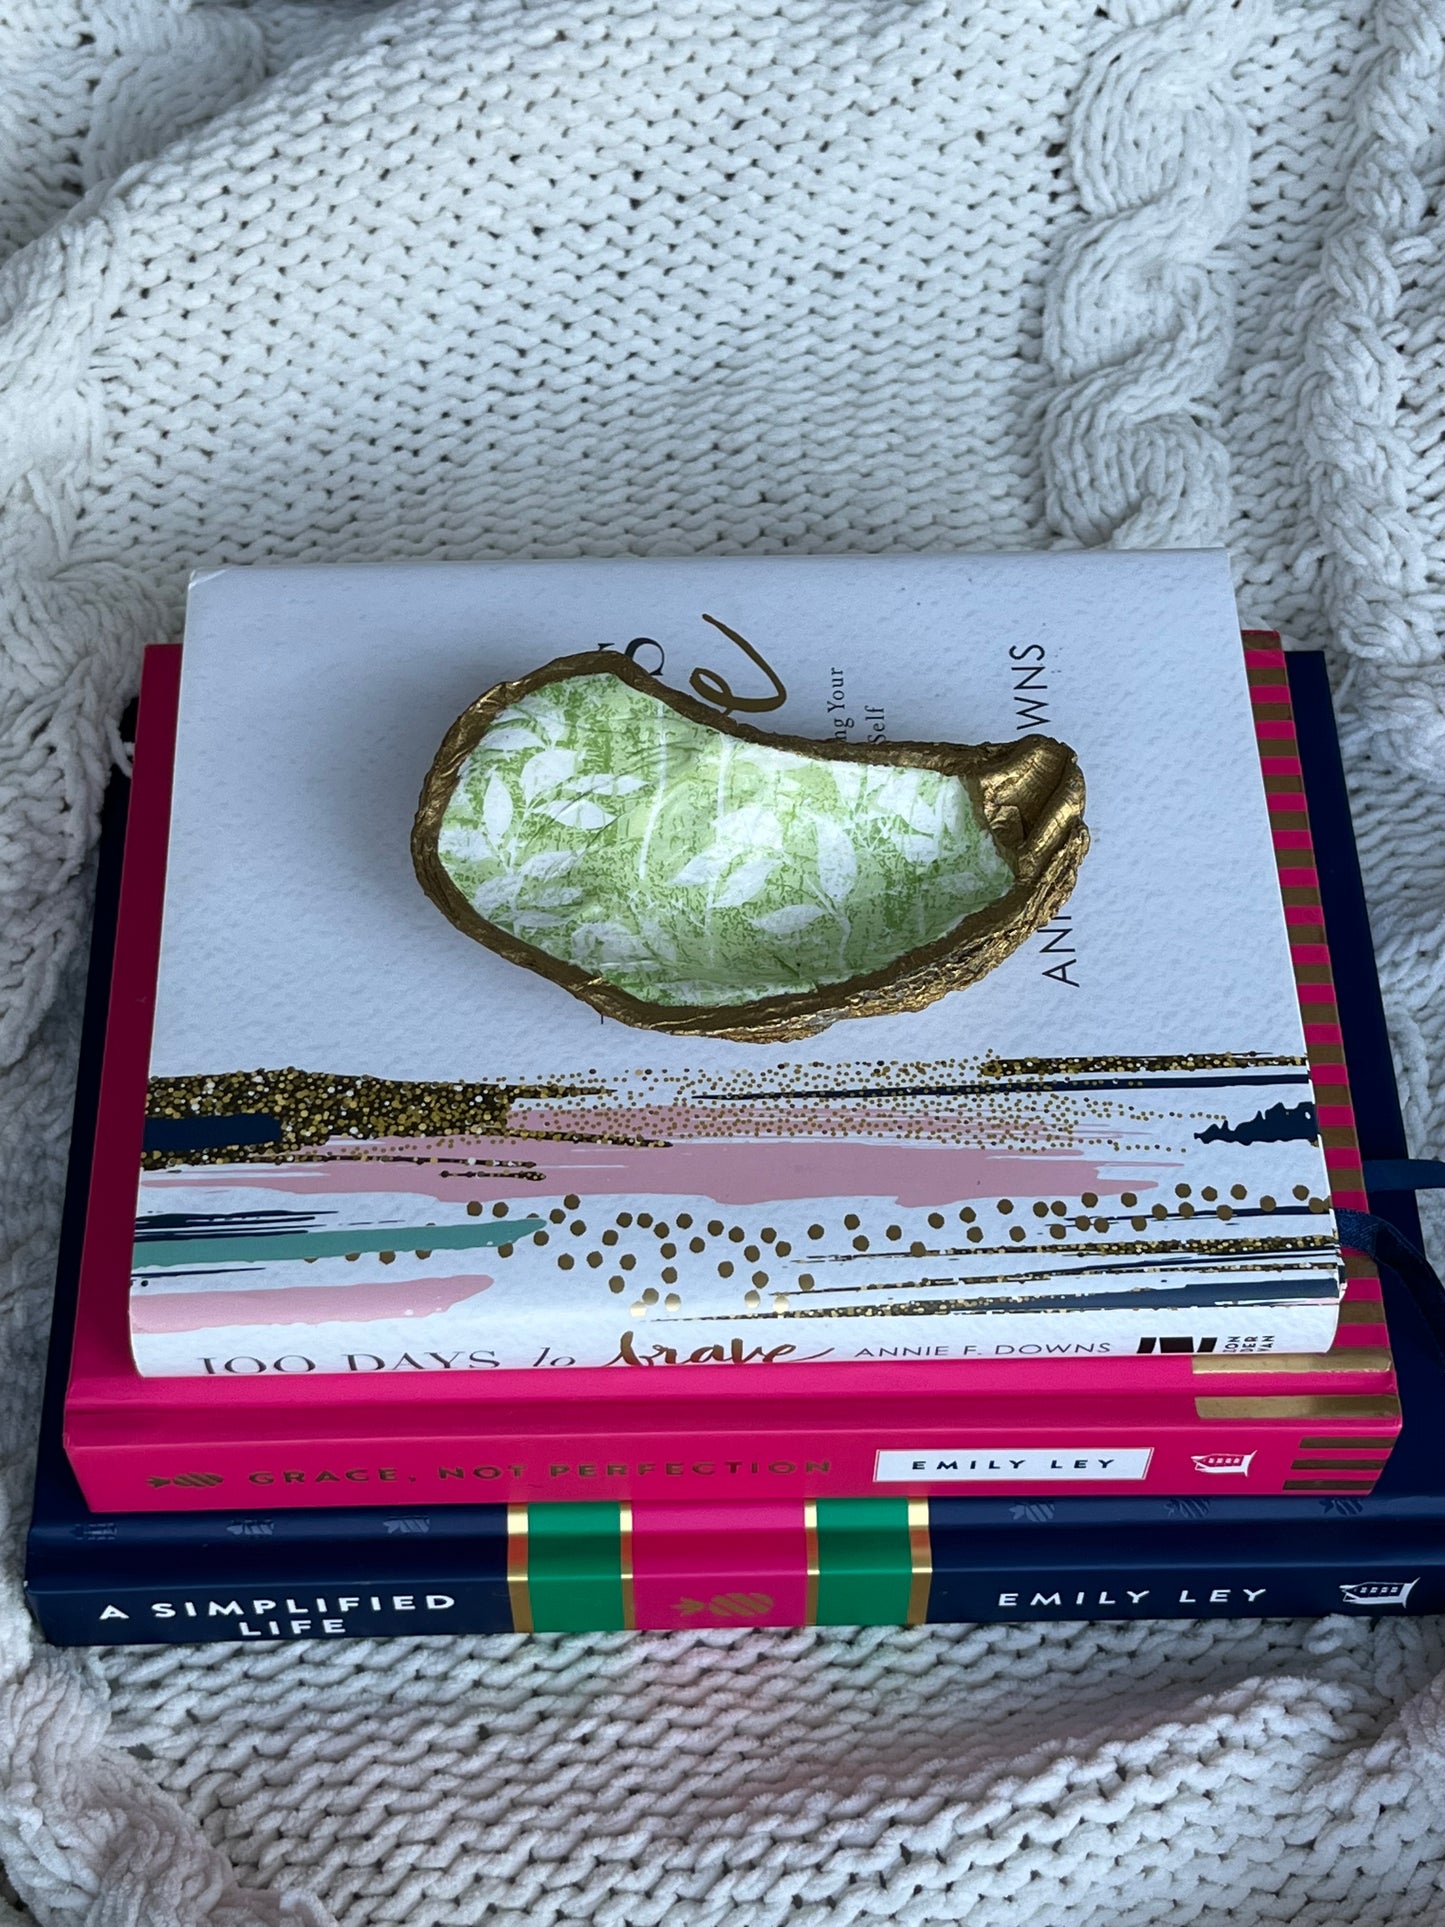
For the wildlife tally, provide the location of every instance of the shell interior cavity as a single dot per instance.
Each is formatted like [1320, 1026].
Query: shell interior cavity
[686, 863]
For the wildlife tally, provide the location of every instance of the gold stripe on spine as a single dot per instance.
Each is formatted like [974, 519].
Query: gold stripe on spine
[517, 1592]
[1354, 1445]
[810, 1541]
[920, 1561]
[1344, 1358]
[1358, 1405]
[1337, 1465]
[1367, 1311]
[629, 1602]
[1030, 793]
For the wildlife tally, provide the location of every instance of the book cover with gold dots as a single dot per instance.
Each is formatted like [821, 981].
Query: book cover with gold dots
[373, 1146]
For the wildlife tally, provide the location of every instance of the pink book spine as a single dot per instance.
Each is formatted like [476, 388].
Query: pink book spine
[1262, 1425]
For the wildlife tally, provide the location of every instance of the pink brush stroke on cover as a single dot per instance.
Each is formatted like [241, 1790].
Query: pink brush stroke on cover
[728, 1172]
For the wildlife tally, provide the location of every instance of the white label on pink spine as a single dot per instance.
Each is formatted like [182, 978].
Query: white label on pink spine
[978, 1465]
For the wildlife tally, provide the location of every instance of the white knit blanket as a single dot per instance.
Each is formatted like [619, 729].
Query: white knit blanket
[504, 277]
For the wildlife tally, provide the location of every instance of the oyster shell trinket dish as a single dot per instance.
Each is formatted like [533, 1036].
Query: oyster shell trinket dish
[685, 872]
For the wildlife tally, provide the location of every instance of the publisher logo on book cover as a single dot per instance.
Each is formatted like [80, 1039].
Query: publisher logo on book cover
[1376, 1593]
[1218, 1464]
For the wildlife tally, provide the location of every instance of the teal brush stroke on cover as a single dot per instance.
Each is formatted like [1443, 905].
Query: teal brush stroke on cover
[155, 1254]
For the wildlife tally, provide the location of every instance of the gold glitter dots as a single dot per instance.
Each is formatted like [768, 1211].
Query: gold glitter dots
[617, 1282]
[609, 1237]
[420, 1254]
[1041, 1210]
[669, 1275]
[768, 1235]
[1209, 1194]
[1101, 1224]
[499, 1211]
[1017, 1233]
[684, 1221]
[815, 1231]
[672, 1302]
[661, 1230]
[565, 1261]
[852, 1221]
[967, 1215]
[667, 1251]
[540, 1238]
[352, 1256]
[1058, 1231]
[474, 1210]
[1318, 1204]
[780, 1301]
[1128, 1199]
[1005, 1205]
[860, 1243]
[577, 1228]
[894, 1231]
[571, 1202]
[594, 1258]
[736, 1234]
[697, 1244]
[1301, 1191]
[1089, 1199]
[644, 1219]
[1159, 1211]
[752, 1253]
[557, 1217]
[715, 1227]
[637, 1309]
[806, 1281]
[1139, 1224]
[505, 1251]
[1082, 1224]
[1182, 1190]
[935, 1218]
[1268, 1204]
[918, 1249]
[974, 1235]
[783, 1247]
[627, 1261]
[760, 1277]
[726, 1268]
[624, 1218]
[1059, 1208]
[752, 1300]
[651, 1295]
[1238, 1191]
[1186, 1210]
[1224, 1212]
[387, 1257]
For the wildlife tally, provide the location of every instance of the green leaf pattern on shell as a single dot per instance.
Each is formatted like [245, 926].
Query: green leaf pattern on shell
[689, 868]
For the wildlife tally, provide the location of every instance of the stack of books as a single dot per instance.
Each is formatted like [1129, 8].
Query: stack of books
[402, 1292]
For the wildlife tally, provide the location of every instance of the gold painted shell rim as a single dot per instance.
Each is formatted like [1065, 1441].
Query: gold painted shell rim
[1043, 847]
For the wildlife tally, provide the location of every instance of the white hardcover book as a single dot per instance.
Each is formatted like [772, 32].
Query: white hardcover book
[375, 1145]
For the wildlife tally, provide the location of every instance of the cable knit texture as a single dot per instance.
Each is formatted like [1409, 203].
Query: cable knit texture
[476, 278]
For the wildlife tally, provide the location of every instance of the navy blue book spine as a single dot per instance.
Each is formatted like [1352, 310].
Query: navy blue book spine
[335, 1572]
